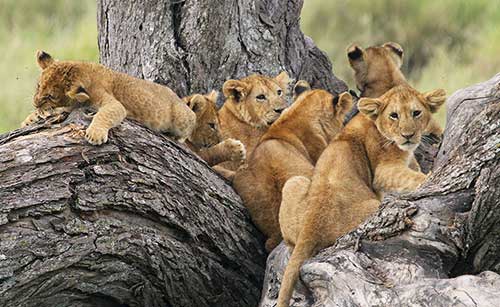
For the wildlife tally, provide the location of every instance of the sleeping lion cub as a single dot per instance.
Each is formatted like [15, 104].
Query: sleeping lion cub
[206, 139]
[114, 95]
[290, 147]
[370, 156]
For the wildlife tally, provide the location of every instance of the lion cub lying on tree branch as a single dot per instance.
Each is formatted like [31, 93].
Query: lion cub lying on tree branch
[290, 147]
[114, 95]
[372, 155]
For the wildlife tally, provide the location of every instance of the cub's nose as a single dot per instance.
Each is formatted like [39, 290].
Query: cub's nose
[407, 135]
[279, 110]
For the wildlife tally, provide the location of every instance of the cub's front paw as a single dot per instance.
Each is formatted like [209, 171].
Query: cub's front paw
[236, 150]
[30, 120]
[96, 136]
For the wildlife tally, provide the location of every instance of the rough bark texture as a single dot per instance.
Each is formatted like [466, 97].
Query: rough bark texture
[419, 248]
[194, 46]
[139, 221]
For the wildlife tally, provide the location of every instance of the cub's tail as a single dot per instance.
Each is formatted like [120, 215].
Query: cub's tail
[302, 251]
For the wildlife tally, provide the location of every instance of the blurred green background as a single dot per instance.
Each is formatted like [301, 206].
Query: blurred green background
[448, 43]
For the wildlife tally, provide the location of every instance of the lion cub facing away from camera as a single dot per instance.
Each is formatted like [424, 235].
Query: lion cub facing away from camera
[206, 139]
[290, 147]
[369, 157]
[65, 84]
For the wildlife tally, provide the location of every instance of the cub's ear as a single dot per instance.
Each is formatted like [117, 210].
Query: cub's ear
[235, 89]
[435, 99]
[283, 80]
[212, 96]
[78, 93]
[342, 104]
[396, 52]
[356, 56]
[43, 59]
[197, 103]
[369, 107]
[300, 87]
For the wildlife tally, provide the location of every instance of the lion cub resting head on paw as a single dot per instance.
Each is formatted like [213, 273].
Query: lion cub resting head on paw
[114, 95]
[206, 139]
[252, 105]
[372, 155]
[377, 69]
[290, 147]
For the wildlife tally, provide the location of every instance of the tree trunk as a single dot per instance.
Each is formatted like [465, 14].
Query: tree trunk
[139, 221]
[419, 248]
[194, 46]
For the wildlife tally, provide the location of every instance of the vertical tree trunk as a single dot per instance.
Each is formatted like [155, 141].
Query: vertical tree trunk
[194, 46]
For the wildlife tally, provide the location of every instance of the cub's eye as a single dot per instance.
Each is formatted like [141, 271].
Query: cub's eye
[211, 125]
[280, 92]
[261, 97]
[394, 115]
[417, 113]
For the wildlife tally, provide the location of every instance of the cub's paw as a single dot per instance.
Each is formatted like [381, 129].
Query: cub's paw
[236, 150]
[96, 136]
[32, 118]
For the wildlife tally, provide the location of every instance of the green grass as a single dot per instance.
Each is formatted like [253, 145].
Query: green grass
[448, 43]
[66, 29]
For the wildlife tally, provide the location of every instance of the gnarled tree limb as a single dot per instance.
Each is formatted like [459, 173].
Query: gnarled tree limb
[139, 221]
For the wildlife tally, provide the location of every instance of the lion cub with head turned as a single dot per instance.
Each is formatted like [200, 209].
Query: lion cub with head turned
[370, 156]
[377, 69]
[206, 139]
[290, 147]
[252, 105]
[65, 84]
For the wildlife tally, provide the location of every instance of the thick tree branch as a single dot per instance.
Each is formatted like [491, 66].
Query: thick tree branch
[139, 221]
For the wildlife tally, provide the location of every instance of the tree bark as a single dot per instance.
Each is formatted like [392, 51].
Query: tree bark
[194, 46]
[420, 248]
[139, 221]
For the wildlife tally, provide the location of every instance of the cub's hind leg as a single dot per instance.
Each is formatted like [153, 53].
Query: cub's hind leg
[292, 207]
[183, 121]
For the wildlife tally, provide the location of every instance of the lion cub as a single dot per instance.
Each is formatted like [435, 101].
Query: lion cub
[377, 69]
[290, 147]
[114, 95]
[252, 105]
[206, 139]
[369, 157]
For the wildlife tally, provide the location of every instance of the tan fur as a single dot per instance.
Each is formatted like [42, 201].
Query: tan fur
[206, 139]
[369, 157]
[377, 69]
[246, 117]
[114, 95]
[289, 148]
